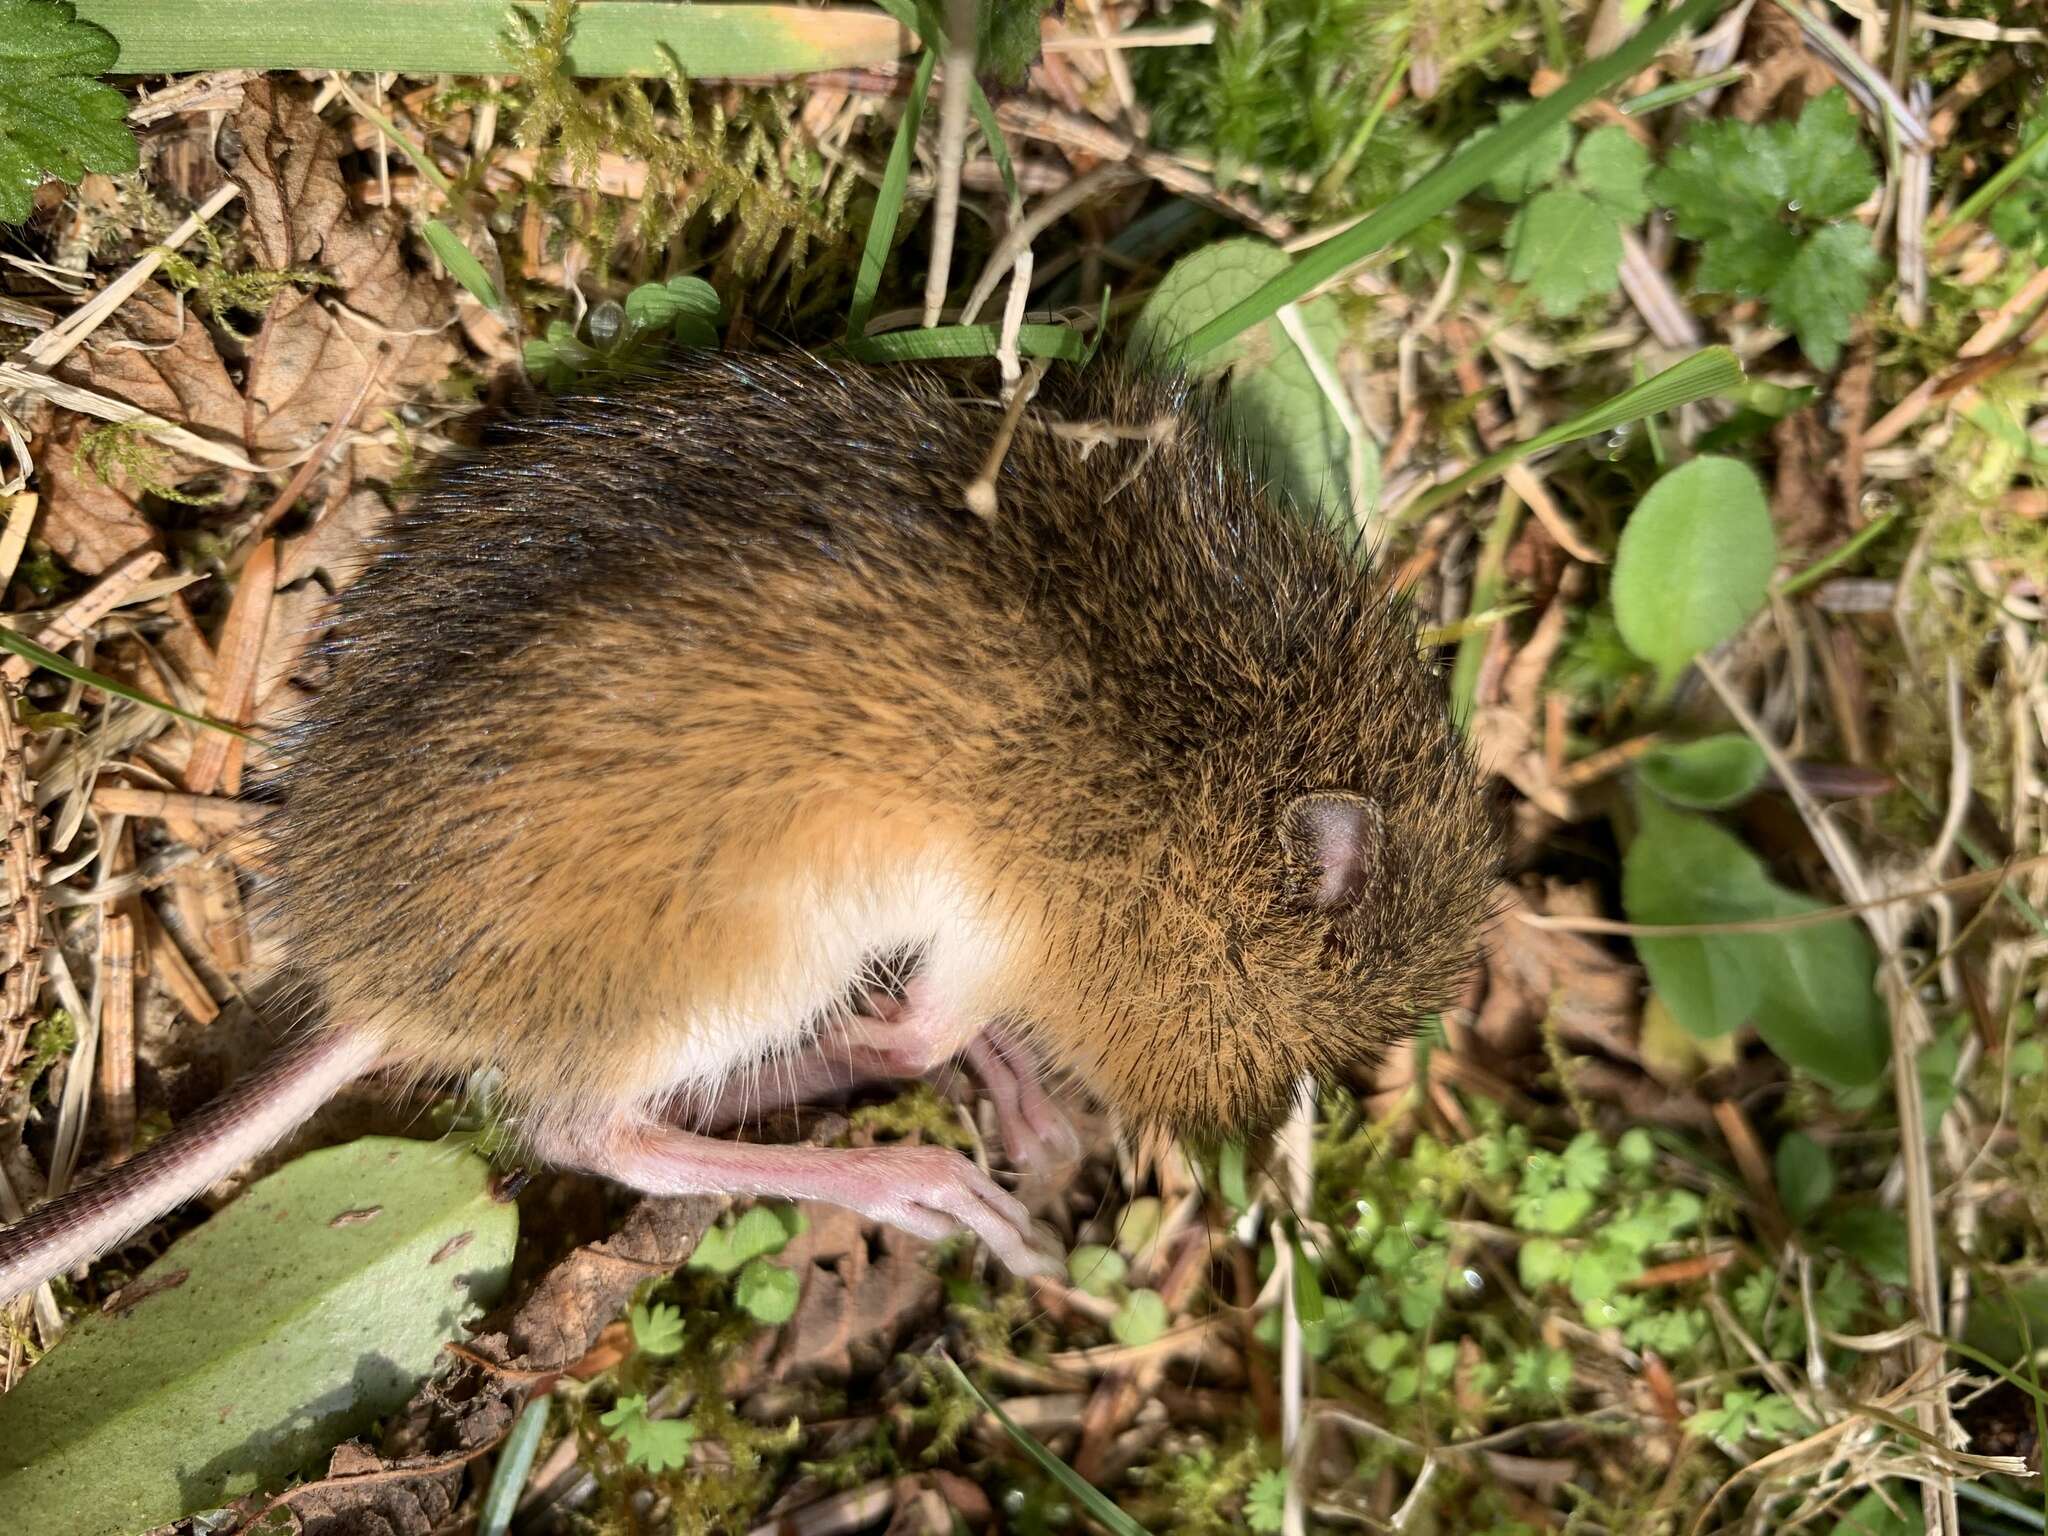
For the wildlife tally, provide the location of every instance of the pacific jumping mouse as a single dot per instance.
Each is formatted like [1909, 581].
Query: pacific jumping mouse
[669, 716]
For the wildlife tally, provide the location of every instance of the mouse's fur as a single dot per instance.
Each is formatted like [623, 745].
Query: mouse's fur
[673, 685]
[672, 713]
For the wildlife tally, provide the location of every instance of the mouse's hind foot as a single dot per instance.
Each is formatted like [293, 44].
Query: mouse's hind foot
[929, 1192]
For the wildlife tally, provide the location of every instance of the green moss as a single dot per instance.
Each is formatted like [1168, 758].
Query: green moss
[733, 162]
[123, 452]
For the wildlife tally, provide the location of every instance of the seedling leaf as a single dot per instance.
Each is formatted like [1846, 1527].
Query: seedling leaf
[56, 118]
[766, 1292]
[1140, 1320]
[657, 1445]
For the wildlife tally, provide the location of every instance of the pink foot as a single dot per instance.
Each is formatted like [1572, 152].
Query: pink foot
[1036, 1132]
[930, 1192]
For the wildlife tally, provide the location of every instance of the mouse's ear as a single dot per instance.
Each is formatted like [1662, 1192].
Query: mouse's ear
[1340, 834]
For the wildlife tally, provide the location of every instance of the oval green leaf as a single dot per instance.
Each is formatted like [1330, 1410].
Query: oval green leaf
[1806, 1177]
[1810, 991]
[302, 1313]
[1705, 775]
[1277, 411]
[1693, 563]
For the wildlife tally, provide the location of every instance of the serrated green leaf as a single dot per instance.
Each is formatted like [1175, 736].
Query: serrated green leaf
[278, 1331]
[1140, 1320]
[1533, 166]
[656, 1445]
[767, 1292]
[657, 1330]
[1265, 1502]
[1693, 564]
[761, 1231]
[1543, 1261]
[1705, 775]
[56, 118]
[1566, 247]
[1615, 171]
[1276, 410]
[1828, 167]
[1824, 288]
[1805, 1176]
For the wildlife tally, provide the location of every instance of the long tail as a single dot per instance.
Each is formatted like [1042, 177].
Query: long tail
[239, 1125]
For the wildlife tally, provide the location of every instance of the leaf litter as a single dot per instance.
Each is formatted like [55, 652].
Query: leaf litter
[1515, 1320]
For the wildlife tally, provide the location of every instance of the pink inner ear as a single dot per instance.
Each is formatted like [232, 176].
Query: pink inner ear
[1344, 833]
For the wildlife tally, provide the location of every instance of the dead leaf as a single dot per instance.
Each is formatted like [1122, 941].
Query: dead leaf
[337, 547]
[86, 522]
[316, 354]
[855, 1309]
[1538, 973]
[1803, 506]
[154, 352]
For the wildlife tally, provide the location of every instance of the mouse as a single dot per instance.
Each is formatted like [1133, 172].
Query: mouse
[695, 745]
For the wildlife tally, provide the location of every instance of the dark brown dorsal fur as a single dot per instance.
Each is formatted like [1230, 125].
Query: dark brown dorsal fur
[736, 619]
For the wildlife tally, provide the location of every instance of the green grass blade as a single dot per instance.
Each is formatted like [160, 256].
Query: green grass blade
[515, 1461]
[1713, 371]
[874, 255]
[1090, 1498]
[464, 37]
[461, 263]
[49, 660]
[953, 341]
[1448, 183]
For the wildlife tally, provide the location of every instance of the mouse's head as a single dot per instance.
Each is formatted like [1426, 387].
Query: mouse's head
[1297, 935]
[1304, 853]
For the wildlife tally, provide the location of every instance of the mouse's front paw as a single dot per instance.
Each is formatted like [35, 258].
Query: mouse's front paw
[935, 1192]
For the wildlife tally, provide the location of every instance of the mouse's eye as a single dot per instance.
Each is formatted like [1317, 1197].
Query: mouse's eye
[1339, 835]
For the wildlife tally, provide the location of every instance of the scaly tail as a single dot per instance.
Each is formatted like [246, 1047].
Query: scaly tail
[257, 1112]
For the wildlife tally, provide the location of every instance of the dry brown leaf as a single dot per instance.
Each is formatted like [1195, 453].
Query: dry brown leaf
[155, 353]
[317, 350]
[1536, 973]
[855, 1310]
[86, 522]
[337, 546]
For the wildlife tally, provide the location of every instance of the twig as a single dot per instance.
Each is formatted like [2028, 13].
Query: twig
[1910, 1030]
[1047, 212]
[959, 83]
[57, 343]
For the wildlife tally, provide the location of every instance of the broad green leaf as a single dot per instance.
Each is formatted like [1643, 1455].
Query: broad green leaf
[295, 1318]
[1566, 247]
[686, 307]
[1806, 1177]
[1705, 775]
[1873, 1236]
[1138, 1228]
[1810, 991]
[56, 119]
[1693, 564]
[1140, 1320]
[767, 1292]
[1681, 869]
[2006, 1318]
[1276, 409]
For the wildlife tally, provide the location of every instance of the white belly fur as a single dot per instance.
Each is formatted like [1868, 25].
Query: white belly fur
[838, 931]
